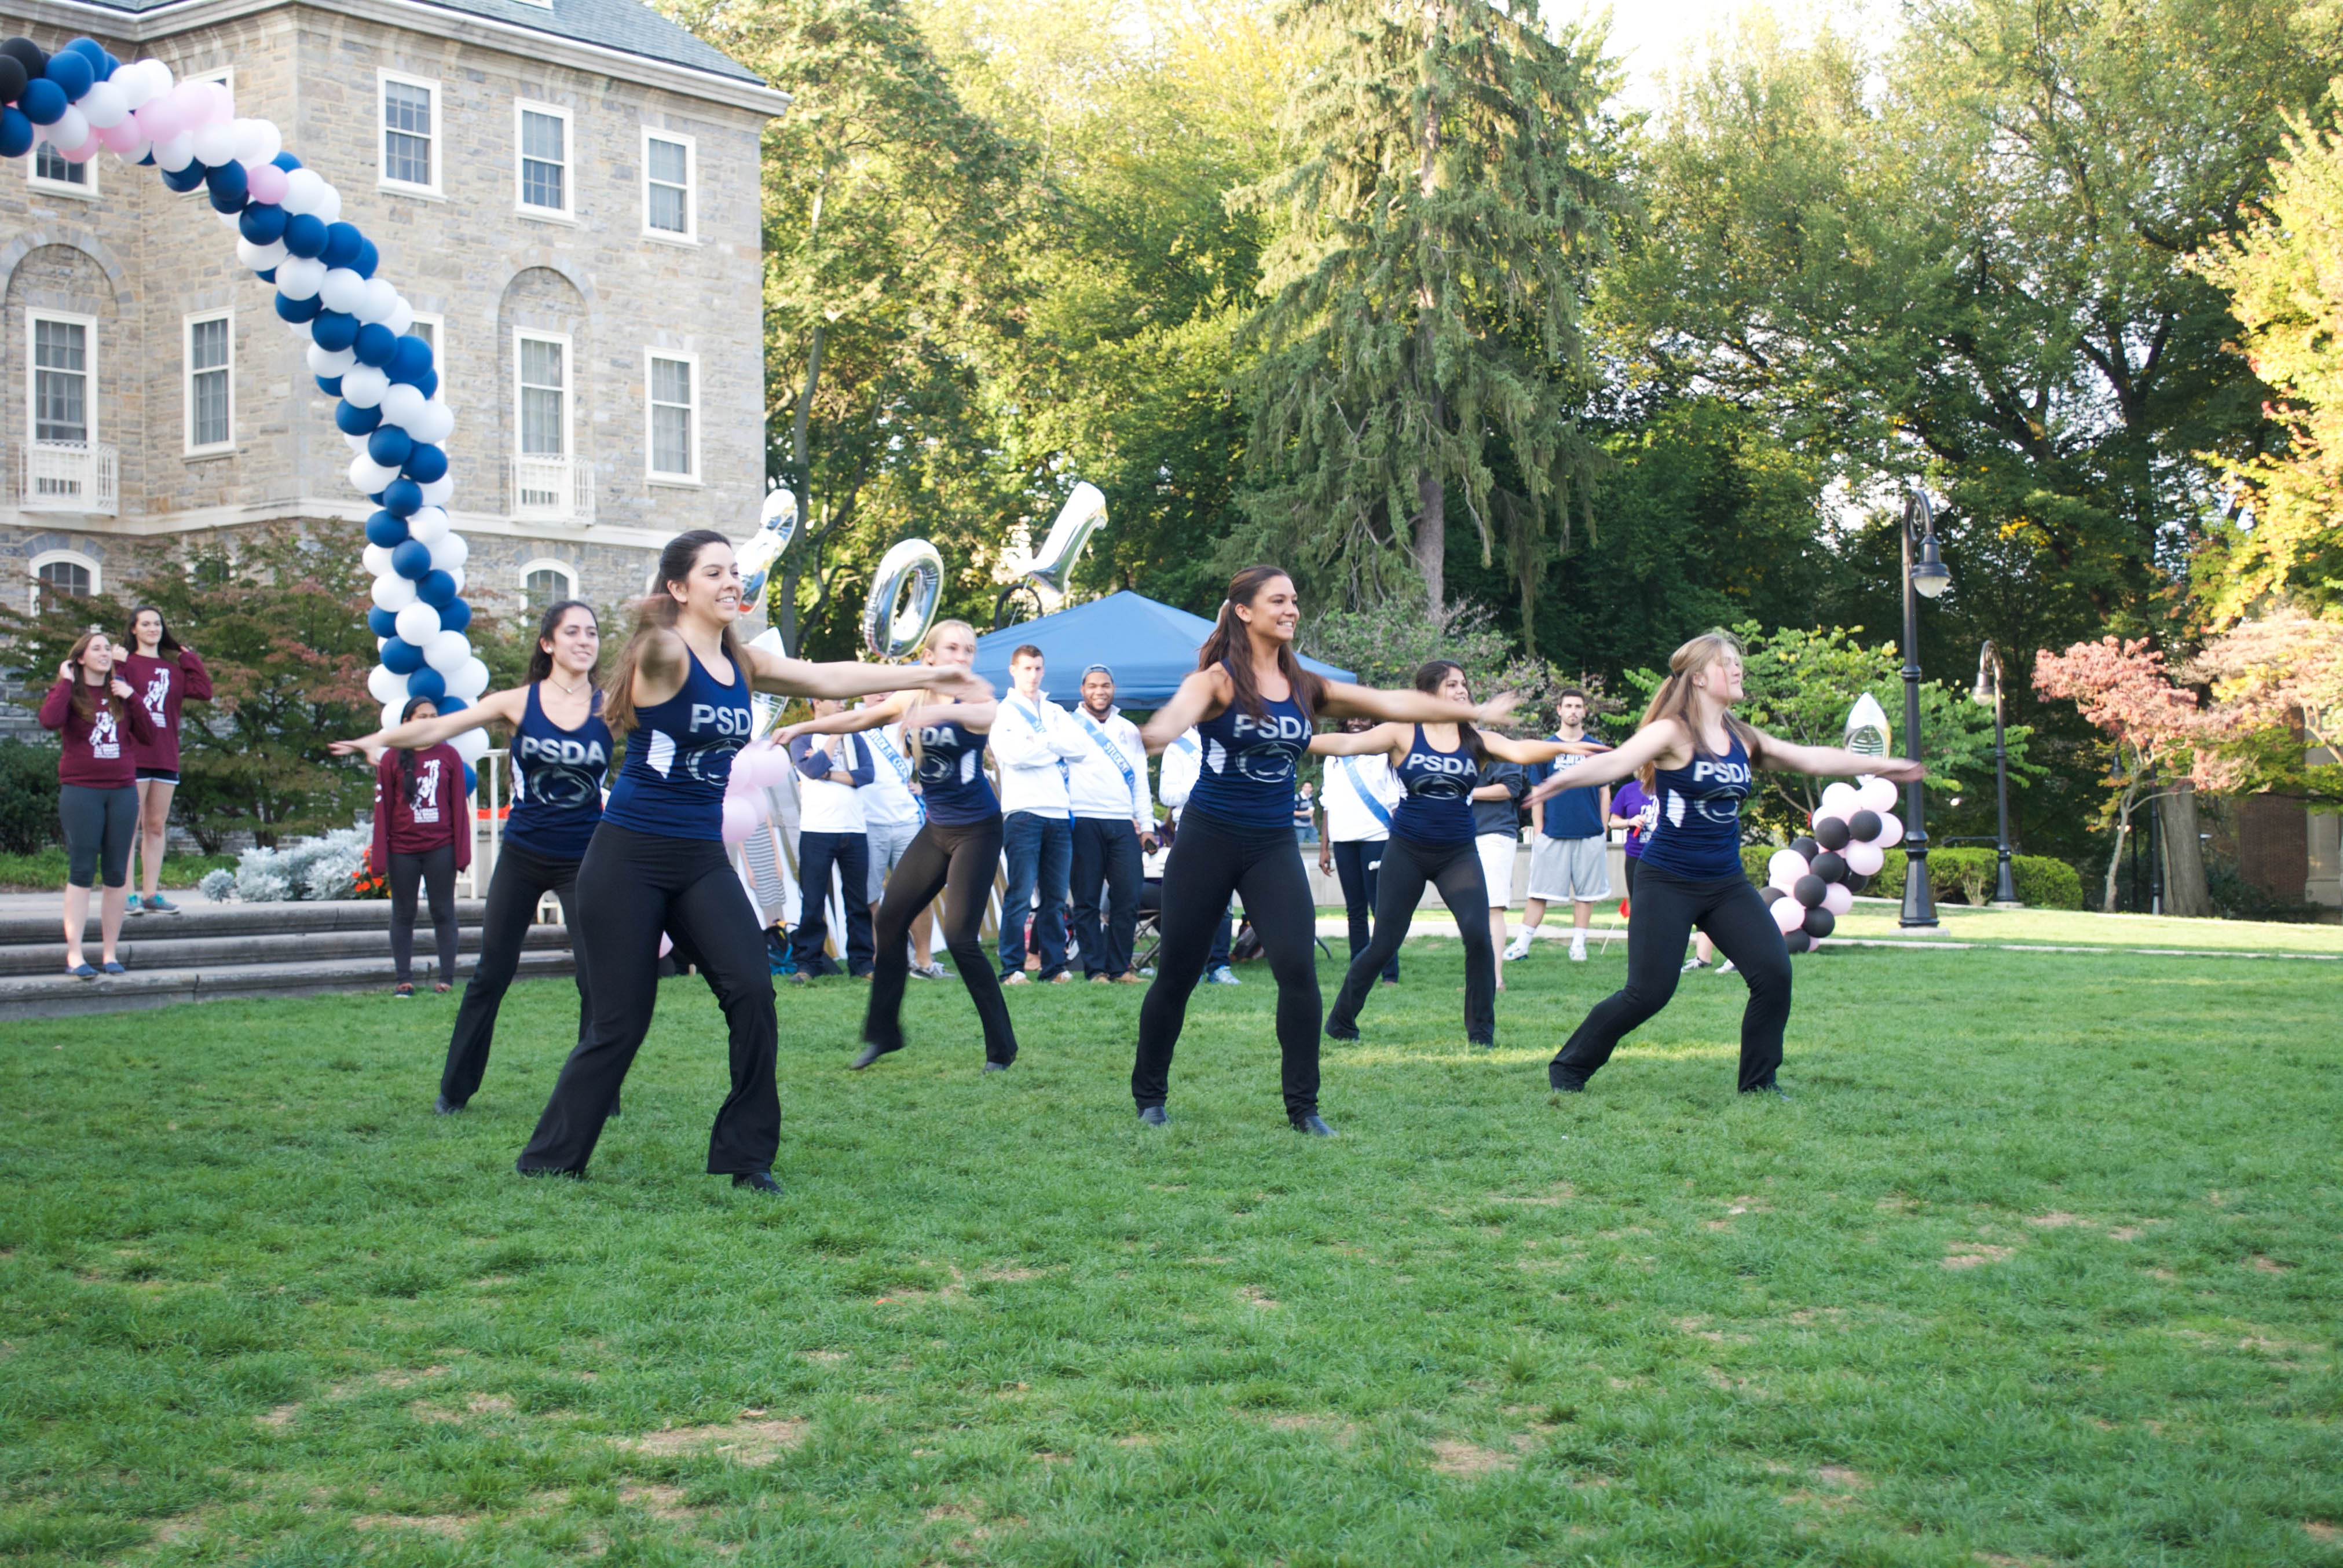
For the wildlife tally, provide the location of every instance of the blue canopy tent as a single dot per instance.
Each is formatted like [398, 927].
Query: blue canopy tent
[1151, 647]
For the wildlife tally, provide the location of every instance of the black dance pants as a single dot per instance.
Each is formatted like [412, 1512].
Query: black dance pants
[1358, 863]
[1106, 861]
[521, 880]
[631, 887]
[435, 869]
[1211, 860]
[1455, 871]
[956, 859]
[1666, 909]
[817, 853]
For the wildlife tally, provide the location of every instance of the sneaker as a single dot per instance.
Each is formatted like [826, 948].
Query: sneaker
[1060, 978]
[1101, 980]
[1578, 952]
[1725, 968]
[1223, 975]
[160, 905]
[1518, 949]
[402, 991]
[932, 971]
[1016, 978]
[131, 907]
[1692, 964]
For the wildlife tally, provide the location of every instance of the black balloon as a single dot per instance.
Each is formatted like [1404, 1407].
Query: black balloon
[1797, 942]
[1819, 923]
[1809, 890]
[1805, 848]
[1832, 834]
[1855, 884]
[12, 78]
[27, 54]
[1831, 866]
[1864, 826]
[1771, 895]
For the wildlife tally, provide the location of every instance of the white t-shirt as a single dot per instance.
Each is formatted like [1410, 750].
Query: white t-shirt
[888, 802]
[1348, 818]
[825, 806]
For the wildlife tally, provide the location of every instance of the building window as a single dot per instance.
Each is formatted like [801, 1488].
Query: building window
[63, 362]
[544, 584]
[410, 136]
[50, 171]
[544, 396]
[60, 575]
[668, 172]
[544, 158]
[211, 382]
[674, 416]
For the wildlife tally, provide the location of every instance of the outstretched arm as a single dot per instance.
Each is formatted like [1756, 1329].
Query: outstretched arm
[1647, 744]
[497, 708]
[1530, 752]
[843, 680]
[1831, 761]
[1201, 696]
[852, 720]
[1344, 700]
[1365, 743]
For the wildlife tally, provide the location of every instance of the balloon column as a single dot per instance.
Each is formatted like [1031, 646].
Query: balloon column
[1814, 882]
[82, 100]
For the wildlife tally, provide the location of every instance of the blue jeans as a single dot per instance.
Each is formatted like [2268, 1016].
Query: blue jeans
[1040, 854]
[817, 853]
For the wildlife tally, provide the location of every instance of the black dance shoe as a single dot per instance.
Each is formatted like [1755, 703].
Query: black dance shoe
[758, 1181]
[1154, 1116]
[1563, 1083]
[870, 1053]
[1313, 1125]
[1341, 1031]
[443, 1106]
[1772, 1090]
[617, 1110]
[996, 1067]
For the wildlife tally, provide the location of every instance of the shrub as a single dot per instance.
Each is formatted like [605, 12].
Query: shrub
[332, 867]
[29, 797]
[1959, 875]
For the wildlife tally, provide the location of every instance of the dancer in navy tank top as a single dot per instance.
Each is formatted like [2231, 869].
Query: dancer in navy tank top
[560, 752]
[1254, 707]
[1698, 761]
[956, 852]
[657, 860]
[1432, 842]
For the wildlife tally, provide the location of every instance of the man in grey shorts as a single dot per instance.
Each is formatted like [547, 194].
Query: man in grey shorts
[1569, 850]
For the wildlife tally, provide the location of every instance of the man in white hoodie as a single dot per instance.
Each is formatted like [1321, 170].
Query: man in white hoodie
[1114, 823]
[1037, 743]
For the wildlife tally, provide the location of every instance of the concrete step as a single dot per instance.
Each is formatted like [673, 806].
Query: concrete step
[236, 920]
[164, 944]
[59, 996]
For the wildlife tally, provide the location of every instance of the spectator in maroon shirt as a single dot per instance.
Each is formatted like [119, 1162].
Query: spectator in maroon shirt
[163, 674]
[422, 833]
[100, 723]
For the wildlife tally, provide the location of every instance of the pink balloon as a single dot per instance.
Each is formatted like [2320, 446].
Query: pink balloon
[1891, 831]
[1838, 899]
[194, 103]
[1865, 859]
[1788, 914]
[121, 136]
[221, 101]
[667, 944]
[266, 182]
[159, 121]
[81, 153]
[739, 820]
[1785, 867]
[1877, 794]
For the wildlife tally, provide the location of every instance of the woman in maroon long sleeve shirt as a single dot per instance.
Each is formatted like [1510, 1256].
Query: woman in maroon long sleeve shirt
[100, 724]
[422, 833]
[163, 674]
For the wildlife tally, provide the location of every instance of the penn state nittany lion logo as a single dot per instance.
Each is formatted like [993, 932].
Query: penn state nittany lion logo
[1438, 778]
[563, 774]
[940, 753]
[1266, 748]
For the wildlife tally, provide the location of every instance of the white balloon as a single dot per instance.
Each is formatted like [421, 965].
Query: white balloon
[215, 145]
[471, 681]
[448, 555]
[175, 152]
[300, 277]
[225, 219]
[1838, 801]
[393, 592]
[134, 82]
[385, 687]
[436, 492]
[305, 190]
[473, 744]
[1785, 867]
[418, 623]
[329, 204]
[260, 258]
[257, 141]
[401, 404]
[330, 361]
[375, 558]
[393, 709]
[1891, 831]
[455, 574]
[436, 424]
[379, 300]
[448, 651]
[342, 289]
[355, 443]
[401, 317]
[105, 106]
[368, 477]
[1788, 915]
[71, 130]
[137, 151]
[1838, 899]
[427, 525]
[1865, 859]
[363, 385]
[1876, 794]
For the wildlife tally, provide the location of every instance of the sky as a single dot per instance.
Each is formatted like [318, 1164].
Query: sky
[1651, 35]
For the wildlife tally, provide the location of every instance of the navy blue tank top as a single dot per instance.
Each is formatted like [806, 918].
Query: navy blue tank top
[1698, 833]
[1247, 775]
[1439, 805]
[556, 781]
[952, 785]
[679, 757]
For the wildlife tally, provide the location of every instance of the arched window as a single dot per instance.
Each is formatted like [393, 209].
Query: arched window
[546, 582]
[59, 575]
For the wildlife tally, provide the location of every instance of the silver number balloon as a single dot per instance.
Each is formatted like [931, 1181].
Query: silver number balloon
[903, 598]
[1083, 515]
[777, 524]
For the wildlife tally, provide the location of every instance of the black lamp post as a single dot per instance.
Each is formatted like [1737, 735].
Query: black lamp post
[1988, 690]
[1924, 578]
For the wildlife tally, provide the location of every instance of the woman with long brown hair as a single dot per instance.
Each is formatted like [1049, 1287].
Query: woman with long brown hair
[657, 861]
[163, 673]
[1254, 707]
[99, 721]
[1698, 761]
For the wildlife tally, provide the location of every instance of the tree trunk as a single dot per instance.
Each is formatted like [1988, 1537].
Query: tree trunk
[2115, 864]
[1432, 536]
[2184, 854]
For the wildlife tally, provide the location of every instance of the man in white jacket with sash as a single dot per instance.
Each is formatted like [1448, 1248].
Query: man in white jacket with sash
[1114, 825]
[1037, 743]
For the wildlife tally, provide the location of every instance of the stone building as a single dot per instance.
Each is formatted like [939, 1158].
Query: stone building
[568, 193]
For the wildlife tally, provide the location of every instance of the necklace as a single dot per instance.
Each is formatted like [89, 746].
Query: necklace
[572, 690]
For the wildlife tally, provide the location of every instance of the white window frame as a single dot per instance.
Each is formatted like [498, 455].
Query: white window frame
[51, 557]
[568, 211]
[650, 450]
[568, 392]
[32, 176]
[528, 569]
[187, 382]
[383, 182]
[88, 324]
[691, 233]
[439, 325]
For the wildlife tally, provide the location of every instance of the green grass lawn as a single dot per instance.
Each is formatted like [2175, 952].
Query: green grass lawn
[2039, 1267]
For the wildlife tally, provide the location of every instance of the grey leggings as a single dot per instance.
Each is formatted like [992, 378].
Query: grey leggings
[99, 825]
[435, 869]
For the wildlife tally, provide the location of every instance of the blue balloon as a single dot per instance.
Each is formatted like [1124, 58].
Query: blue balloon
[402, 497]
[334, 330]
[376, 345]
[297, 310]
[385, 530]
[331, 385]
[428, 383]
[436, 589]
[107, 66]
[263, 223]
[411, 559]
[382, 623]
[400, 657]
[185, 179]
[411, 360]
[16, 133]
[352, 420]
[368, 259]
[389, 446]
[286, 162]
[427, 682]
[305, 235]
[227, 186]
[342, 242]
[425, 463]
[92, 50]
[471, 780]
[73, 73]
[44, 102]
[455, 616]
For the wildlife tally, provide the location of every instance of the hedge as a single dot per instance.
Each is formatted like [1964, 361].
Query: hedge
[2043, 883]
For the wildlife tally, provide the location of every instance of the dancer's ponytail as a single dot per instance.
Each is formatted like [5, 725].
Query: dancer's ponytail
[656, 612]
[1673, 699]
[1228, 643]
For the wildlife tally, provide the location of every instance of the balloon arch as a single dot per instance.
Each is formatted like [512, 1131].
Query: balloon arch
[81, 100]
